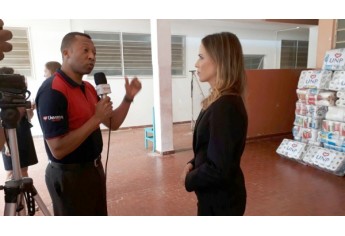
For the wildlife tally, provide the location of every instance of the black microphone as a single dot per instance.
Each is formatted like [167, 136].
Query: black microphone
[102, 87]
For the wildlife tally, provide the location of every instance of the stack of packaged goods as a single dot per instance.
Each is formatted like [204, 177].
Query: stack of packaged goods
[312, 105]
[311, 109]
[330, 155]
[333, 127]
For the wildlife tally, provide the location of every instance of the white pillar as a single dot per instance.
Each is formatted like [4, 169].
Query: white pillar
[312, 48]
[162, 85]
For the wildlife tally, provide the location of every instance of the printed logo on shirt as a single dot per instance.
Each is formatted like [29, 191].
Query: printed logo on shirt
[53, 118]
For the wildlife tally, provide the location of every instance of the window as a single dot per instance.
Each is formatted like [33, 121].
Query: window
[294, 54]
[120, 54]
[108, 53]
[19, 58]
[340, 37]
[178, 55]
[254, 61]
[137, 57]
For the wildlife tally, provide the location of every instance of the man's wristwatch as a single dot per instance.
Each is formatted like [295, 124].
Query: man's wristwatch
[127, 99]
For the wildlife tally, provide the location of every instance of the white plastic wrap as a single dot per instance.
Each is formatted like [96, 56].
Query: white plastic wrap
[334, 60]
[336, 114]
[318, 79]
[338, 128]
[291, 149]
[311, 110]
[308, 122]
[326, 159]
[306, 135]
[337, 82]
[316, 97]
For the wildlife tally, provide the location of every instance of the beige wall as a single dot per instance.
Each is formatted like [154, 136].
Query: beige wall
[325, 39]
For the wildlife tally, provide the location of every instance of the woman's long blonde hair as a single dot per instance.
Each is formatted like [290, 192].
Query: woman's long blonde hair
[226, 52]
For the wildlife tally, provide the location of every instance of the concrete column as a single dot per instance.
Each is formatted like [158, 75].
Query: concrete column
[312, 48]
[326, 36]
[162, 85]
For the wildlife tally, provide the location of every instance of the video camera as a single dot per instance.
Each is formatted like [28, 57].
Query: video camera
[13, 94]
[13, 91]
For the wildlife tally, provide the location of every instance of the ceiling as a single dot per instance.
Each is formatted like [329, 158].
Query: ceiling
[270, 25]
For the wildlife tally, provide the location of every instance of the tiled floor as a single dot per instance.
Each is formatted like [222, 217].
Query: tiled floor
[142, 183]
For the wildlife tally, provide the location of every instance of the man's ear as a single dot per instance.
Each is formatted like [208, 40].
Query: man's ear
[65, 53]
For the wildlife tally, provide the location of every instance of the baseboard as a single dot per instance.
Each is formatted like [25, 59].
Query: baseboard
[145, 126]
[166, 152]
[270, 136]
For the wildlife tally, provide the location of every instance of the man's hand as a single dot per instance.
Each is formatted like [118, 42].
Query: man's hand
[104, 109]
[185, 171]
[5, 35]
[7, 150]
[132, 88]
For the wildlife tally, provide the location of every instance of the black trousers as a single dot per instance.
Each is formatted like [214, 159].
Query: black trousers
[220, 203]
[77, 189]
[209, 210]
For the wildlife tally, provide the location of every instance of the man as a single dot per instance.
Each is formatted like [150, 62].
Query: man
[5, 35]
[70, 113]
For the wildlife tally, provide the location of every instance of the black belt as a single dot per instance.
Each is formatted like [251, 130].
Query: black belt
[76, 166]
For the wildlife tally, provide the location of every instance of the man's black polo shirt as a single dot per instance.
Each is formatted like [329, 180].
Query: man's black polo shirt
[63, 106]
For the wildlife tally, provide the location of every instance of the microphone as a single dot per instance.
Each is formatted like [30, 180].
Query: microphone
[102, 87]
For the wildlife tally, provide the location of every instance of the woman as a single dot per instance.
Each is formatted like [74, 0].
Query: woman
[220, 130]
[26, 148]
[50, 68]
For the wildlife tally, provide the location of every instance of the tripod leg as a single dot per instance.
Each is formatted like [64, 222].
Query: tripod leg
[21, 205]
[10, 209]
[41, 205]
[32, 194]
[192, 101]
[12, 191]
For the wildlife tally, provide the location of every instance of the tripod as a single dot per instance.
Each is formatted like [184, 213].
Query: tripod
[18, 188]
[193, 77]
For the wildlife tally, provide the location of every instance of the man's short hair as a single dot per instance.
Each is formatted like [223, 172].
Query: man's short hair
[6, 71]
[69, 38]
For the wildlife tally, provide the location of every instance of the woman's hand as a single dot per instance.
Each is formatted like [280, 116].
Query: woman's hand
[184, 173]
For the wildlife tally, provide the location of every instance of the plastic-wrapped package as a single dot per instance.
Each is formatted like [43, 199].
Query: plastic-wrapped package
[334, 126]
[308, 122]
[336, 114]
[325, 159]
[337, 82]
[316, 97]
[292, 149]
[306, 135]
[311, 110]
[334, 60]
[318, 79]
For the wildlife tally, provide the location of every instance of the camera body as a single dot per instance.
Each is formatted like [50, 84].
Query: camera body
[13, 91]
[13, 94]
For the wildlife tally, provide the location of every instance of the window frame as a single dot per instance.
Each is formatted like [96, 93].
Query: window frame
[337, 30]
[123, 61]
[262, 59]
[29, 66]
[297, 48]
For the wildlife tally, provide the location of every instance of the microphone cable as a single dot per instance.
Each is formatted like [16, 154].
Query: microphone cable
[106, 160]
